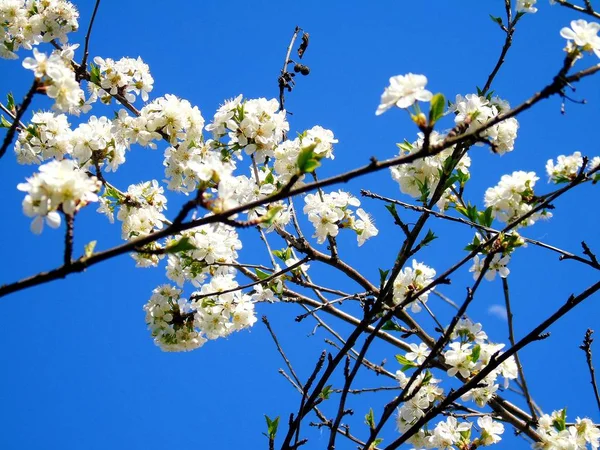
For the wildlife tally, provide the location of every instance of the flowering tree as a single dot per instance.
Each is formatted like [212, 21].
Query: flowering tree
[245, 176]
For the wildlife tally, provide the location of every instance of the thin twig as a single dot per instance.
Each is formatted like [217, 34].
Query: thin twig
[83, 66]
[587, 10]
[280, 350]
[69, 219]
[587, 348]
[511, 338]
[17, 119]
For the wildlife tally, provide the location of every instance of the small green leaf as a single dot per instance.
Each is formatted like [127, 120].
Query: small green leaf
[475, 353]
[429, 237]
[486, 217]
[382, 276]
[307, 160]
[94, 74]
[498, 20]
[391, 326]
[326, 392]
[10, 102]
[261, 275]
[436, 110]
[272, 426]
[370, 419]
[183, 245]
[4, 123]
[405, 362]
[88, 250]
[271, 214]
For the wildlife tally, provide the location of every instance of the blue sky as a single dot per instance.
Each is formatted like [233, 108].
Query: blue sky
[79, 369]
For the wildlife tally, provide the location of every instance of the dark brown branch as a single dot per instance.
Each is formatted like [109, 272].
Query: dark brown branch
[280, 350]
[585, 10]
[511, 338]
[374, 166]
[535, 335]
[83, 66]
[69, 219]
[285, 80]
[24, 105]
[271, 277]
[435, 352]
[509, 30]
[587, 348]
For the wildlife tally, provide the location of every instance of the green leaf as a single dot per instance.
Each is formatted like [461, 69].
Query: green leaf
[272, 426]
[391, 326]
[405, 146]
[269, 217]
[427, 378]
[486, 217]
[475, 353]
[307, 160]
[370, 419]
[94, 73]
[470, 212]
[436, 110]
[10, 102]
[326, 392]
[498, 20]
[405, 362]
[429, 237]
[4, 123]
[183, 245]
[261, 275]
[382, 276]
[88, 250]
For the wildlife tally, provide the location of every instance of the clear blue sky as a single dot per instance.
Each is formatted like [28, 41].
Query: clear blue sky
[78, 369]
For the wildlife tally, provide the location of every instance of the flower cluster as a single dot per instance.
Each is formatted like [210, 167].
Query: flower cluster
[470, 352]
[210, 245]
[218, 315]
[256, 126]
[427, 392]
[497, 264]
[477, 111]
[59, 81]
[420, 178]
[582, 37]
[404, 91]
[25, 23]
[58, 186]
[170, 319]
[451, 433]
[556, 434]
[128, 77]
[141, 209]
[513, 197]
[179, 325]
[330, 212]
[565, 169]
[411, 280]
[95, 144]
[318, 138]
[48, 136]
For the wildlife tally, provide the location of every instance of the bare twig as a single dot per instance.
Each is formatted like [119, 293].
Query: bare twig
[69, 219]
[280, 350]
[585, 10]
[17, 119]
[83, 66]
[587, 348]
[511, 338]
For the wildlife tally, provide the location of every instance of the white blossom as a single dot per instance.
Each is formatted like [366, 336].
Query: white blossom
[404, 91]
[58, 186]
